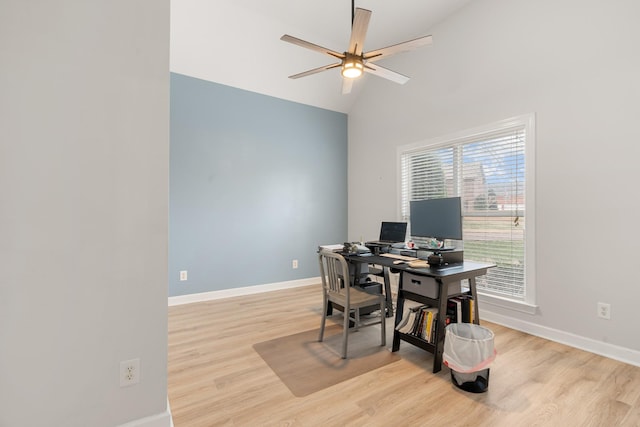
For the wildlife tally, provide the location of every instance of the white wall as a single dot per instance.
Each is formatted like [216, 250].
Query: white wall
[574, 64]
[83, 213]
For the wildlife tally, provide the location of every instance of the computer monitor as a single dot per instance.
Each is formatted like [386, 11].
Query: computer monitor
[393, 231]
[436, 218]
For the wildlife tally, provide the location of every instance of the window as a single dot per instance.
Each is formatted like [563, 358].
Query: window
[491, 169]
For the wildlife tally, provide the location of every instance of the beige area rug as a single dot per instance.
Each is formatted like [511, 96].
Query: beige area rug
[306, 366]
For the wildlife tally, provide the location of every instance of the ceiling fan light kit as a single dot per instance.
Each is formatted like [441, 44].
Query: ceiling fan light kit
[352, 66]
[354, 61]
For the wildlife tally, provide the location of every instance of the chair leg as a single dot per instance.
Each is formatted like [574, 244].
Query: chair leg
[325, 304]
[383, 327]
[345, 332]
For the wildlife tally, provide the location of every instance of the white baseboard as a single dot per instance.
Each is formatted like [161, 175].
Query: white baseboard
[236, 292]
[622, 354]
[159, 420]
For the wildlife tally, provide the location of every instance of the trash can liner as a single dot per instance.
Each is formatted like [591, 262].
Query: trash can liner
[468, 347]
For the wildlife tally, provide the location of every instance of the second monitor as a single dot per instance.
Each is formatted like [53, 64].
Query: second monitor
[391, 232]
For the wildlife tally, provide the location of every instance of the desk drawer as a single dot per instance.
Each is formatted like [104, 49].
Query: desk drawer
[426, 286]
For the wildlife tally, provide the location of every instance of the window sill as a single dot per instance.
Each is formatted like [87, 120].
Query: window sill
[509, 304]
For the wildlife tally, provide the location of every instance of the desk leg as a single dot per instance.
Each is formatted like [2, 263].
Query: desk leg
[396, 335]
[442, 319]
[387, 291]
[474, 295]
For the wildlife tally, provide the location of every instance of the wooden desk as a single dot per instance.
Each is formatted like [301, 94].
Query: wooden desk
[444, 277]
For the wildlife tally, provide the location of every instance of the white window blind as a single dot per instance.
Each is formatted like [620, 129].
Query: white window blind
[487, 171]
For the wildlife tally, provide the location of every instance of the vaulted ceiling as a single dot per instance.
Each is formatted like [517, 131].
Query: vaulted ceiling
[237, 42]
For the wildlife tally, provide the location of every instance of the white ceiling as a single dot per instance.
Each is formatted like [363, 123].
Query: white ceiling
[237, 42]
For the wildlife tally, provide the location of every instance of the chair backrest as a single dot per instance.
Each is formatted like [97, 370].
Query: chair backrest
[333, 271]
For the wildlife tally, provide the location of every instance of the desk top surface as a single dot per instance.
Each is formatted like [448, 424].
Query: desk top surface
[442, 271]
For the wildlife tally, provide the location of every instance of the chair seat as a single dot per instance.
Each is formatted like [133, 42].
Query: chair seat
[358, 298]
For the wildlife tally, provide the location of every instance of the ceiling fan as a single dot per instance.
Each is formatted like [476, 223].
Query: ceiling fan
[354, 61]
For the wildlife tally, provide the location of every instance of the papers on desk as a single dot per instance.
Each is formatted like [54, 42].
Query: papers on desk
[332, 248]
[352, 248]
[411, 261]
[401, 257]
[419, 263]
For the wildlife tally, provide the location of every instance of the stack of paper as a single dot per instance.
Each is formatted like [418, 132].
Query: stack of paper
[332, 248]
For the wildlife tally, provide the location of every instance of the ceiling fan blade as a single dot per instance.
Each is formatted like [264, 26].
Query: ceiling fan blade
[315, 70]
[346, 85]
[374, 55]
[386, 73]
[308, 45]
[359, 30]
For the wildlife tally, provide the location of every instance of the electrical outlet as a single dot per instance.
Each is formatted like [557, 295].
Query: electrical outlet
[294, 264]
[604, 310]
[129, 372]
[183, 275]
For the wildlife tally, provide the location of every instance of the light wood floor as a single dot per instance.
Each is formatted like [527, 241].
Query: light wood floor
[217, 379]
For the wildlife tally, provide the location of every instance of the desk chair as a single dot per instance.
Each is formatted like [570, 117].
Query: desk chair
[336, 288]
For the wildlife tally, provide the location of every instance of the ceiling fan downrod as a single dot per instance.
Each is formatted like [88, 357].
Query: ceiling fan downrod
[353, 11]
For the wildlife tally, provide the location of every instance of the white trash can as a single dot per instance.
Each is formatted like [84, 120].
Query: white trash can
[468, 352]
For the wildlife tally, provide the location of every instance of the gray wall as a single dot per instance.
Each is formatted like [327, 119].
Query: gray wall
[84, 170]
[570, 63]
[256, 182]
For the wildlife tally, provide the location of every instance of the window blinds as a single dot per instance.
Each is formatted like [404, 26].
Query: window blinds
[488, 172]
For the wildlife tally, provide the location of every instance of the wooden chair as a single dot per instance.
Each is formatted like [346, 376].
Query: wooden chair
[334, 272]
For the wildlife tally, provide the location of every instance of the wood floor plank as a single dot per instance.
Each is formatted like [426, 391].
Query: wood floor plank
[217, 379]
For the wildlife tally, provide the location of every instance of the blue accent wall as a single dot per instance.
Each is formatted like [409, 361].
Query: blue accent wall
[255, 182]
